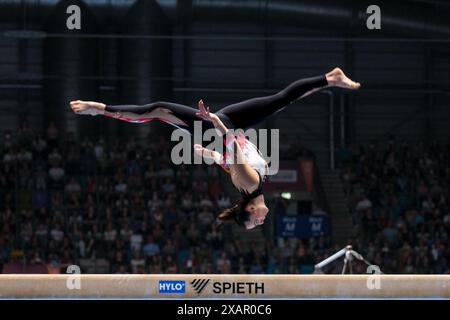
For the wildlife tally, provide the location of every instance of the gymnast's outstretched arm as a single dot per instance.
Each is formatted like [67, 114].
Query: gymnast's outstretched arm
[244, 177]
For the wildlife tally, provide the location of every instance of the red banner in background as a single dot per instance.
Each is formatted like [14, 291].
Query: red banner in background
[307, 171]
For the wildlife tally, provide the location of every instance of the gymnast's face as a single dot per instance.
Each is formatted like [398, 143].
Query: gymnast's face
[258, 212]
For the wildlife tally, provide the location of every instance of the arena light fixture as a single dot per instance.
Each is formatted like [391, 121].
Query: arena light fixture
[286, 195]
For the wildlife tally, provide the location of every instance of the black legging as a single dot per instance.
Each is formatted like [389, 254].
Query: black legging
[239, 115]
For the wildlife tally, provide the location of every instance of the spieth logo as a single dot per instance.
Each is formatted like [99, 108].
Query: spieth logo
[199, 284]
[172, 286]
[245, 288]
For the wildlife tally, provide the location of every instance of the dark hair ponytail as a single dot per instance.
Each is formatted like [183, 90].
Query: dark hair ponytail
[236, 213]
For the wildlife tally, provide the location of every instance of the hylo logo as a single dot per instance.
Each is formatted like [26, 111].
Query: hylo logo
[172, 286]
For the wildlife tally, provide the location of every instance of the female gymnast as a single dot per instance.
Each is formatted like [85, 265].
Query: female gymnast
[242, 159]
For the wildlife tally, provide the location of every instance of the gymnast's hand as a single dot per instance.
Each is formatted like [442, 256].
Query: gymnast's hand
[209, 116]
[87, 107]
[205, 114]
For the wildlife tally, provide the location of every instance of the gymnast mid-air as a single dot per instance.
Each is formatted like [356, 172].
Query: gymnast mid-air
[247, 168]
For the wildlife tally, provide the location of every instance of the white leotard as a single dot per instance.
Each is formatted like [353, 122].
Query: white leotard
[252, 155]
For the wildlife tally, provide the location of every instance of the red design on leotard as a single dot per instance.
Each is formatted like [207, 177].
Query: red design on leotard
[227, 160]
[122, 117]
[140, 120]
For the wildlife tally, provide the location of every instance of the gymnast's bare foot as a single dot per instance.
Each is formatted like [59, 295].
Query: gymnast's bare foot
[87, 107]
[337, 78]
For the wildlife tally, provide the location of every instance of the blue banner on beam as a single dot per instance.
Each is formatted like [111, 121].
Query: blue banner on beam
[303, 226]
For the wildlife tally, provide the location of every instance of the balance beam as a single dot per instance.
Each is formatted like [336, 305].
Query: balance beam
[18, 286]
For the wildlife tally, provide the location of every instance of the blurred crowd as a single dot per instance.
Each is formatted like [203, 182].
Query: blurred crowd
[399, 198]
[66, 201]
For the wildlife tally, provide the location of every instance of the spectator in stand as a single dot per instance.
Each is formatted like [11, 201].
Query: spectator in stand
[151, 248]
